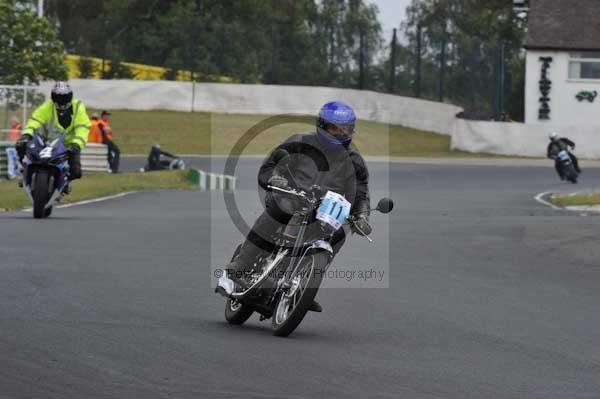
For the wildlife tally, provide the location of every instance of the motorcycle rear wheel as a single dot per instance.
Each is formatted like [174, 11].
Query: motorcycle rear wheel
[41, 193]
[292, 306]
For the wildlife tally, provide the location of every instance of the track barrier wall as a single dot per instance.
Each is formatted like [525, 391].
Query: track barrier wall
[94, 158]
[501, 138]
[529, 140]
[211, 181]
[261, 100]
[4, 158]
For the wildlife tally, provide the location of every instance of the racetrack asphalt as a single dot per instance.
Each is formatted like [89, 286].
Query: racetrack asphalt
[491, 294]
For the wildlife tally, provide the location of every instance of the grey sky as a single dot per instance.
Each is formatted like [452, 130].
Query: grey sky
[391, 13]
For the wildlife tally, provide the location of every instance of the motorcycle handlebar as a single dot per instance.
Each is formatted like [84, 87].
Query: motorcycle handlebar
[351, 220]
[291, 191]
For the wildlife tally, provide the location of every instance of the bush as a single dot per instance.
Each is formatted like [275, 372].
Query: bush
[86, 67]
[118, 70]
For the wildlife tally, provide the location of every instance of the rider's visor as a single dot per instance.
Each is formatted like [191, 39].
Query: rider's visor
[340, 130]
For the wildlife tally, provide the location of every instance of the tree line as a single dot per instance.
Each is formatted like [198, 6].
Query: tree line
[268, 41]
[471, 52]
[466, 52]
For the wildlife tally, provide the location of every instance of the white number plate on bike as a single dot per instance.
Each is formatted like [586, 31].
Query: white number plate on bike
[334, 210]
[563, 155]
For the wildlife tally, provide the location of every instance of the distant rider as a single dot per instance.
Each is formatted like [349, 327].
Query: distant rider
[345, 173]
[556, 145]
[157, 161]
[61, 114]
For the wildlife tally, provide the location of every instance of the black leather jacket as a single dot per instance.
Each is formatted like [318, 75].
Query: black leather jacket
[557, 146]
[335, 168]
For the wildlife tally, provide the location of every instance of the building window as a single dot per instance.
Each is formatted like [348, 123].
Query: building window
[585, 65]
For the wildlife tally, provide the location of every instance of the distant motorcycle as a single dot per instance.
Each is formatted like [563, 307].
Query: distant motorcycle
[283, 284]
[45, 173]
[565, 164]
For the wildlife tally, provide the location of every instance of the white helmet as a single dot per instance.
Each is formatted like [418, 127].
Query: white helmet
[553, 136]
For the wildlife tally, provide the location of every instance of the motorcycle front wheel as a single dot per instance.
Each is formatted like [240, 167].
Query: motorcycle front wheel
[236, 312]
[40, 193]
[304, 284]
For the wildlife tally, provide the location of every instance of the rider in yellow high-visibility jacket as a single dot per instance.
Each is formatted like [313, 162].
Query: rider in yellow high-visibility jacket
[62, 114]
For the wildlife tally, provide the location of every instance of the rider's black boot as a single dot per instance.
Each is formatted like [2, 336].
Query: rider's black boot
[243, 262]
[315, 307]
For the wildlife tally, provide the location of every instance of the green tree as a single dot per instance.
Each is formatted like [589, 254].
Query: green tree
[86, 68]
[116, 68]
[29, 48]
[470, 31]
[308, 42]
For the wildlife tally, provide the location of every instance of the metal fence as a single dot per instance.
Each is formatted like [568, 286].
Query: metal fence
[17, 102]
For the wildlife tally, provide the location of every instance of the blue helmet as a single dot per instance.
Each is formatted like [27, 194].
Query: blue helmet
[336, 114]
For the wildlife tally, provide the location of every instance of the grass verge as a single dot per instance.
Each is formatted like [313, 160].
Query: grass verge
[210, 133]
[94, 185]
[576, 200]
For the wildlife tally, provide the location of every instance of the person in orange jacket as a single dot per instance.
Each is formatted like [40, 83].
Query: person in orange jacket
[95, 135]
[114, 154]
[15, 129]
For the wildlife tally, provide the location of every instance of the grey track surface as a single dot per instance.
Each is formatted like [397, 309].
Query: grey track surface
[490, 295]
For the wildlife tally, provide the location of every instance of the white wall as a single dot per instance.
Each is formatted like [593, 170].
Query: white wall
[580, 121]
[565, 109]
[521, 139]
[261, 99]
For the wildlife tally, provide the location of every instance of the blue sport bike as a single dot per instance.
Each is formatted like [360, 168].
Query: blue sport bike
[45, 173]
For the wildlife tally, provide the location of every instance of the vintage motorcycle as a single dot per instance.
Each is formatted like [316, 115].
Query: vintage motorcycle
[45, 173]
[282, 284]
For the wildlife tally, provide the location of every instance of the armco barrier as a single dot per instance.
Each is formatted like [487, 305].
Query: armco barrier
[211, 181]
[94, 158]
[4, 158]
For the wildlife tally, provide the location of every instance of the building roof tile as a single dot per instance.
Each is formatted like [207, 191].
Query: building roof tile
[564, 25]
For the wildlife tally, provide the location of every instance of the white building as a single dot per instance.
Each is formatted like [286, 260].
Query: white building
[563, 63]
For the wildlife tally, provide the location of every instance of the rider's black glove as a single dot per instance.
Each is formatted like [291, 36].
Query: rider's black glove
[278, 181]
[24, 139]
[361, 226]
[74, 149]
[21, 145]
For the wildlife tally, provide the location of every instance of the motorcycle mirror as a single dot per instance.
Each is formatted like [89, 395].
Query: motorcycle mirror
[279, 155]
[385, 205]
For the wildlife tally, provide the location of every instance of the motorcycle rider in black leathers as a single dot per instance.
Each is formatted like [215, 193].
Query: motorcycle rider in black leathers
[323, 158]
[556, 145]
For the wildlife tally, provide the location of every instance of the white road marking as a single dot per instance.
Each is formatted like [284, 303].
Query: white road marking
[91, 201]
[539, 198]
